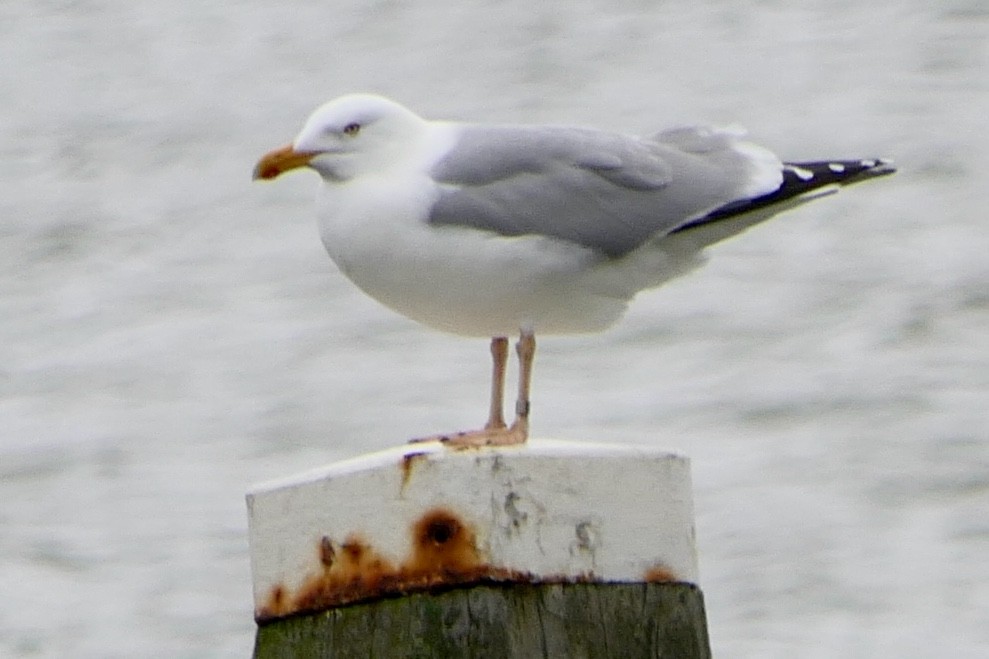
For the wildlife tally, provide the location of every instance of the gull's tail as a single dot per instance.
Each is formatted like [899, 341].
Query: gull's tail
[802, 182]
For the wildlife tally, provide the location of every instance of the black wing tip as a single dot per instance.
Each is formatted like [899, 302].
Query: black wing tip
[800, 178]
[841, 172]
[883, 167]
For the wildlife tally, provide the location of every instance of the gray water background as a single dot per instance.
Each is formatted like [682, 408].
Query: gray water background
[171, 332]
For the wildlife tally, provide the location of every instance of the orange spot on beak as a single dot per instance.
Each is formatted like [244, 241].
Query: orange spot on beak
[279, 161]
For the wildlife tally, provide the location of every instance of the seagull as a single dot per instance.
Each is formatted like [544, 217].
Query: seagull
[486, 230]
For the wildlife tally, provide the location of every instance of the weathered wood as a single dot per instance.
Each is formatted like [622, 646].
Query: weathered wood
[514, 621]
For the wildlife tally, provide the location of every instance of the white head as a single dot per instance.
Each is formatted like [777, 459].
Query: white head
[347, 137]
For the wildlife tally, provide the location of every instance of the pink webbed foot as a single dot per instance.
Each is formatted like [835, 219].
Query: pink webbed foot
[517, 433]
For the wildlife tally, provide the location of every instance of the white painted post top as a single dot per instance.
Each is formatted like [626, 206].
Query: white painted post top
[420, 516]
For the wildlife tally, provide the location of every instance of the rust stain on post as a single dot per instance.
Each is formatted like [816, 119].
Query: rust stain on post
[443, 553]
[327, 554]
[443, 547]
[352, 573]
[659, 573]
[408, 462]
[277, 605]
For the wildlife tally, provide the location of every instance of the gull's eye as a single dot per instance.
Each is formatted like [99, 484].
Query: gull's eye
[351, 129]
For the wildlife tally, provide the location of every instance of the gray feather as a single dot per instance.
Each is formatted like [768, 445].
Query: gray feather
[605, 191]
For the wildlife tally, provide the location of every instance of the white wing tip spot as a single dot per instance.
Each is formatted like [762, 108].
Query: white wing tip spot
[836, 167]
[802, 174]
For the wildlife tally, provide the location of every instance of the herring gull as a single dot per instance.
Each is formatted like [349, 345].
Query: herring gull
[492, 229]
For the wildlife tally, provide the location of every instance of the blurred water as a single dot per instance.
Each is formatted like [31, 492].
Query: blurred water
[171, 333]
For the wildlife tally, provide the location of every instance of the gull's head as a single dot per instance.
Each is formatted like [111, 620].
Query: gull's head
[346, 137]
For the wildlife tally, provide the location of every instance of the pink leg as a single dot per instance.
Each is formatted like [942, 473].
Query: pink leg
[526, 351]
[499, 356]
[495, 433]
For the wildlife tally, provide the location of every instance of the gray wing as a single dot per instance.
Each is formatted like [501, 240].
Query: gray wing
[605, 191]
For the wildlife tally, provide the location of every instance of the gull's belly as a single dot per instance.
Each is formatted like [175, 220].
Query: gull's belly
[461, 280]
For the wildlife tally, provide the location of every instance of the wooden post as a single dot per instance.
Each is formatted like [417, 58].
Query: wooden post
[558, 549]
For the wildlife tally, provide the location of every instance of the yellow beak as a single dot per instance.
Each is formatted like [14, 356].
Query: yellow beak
[280, 161]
